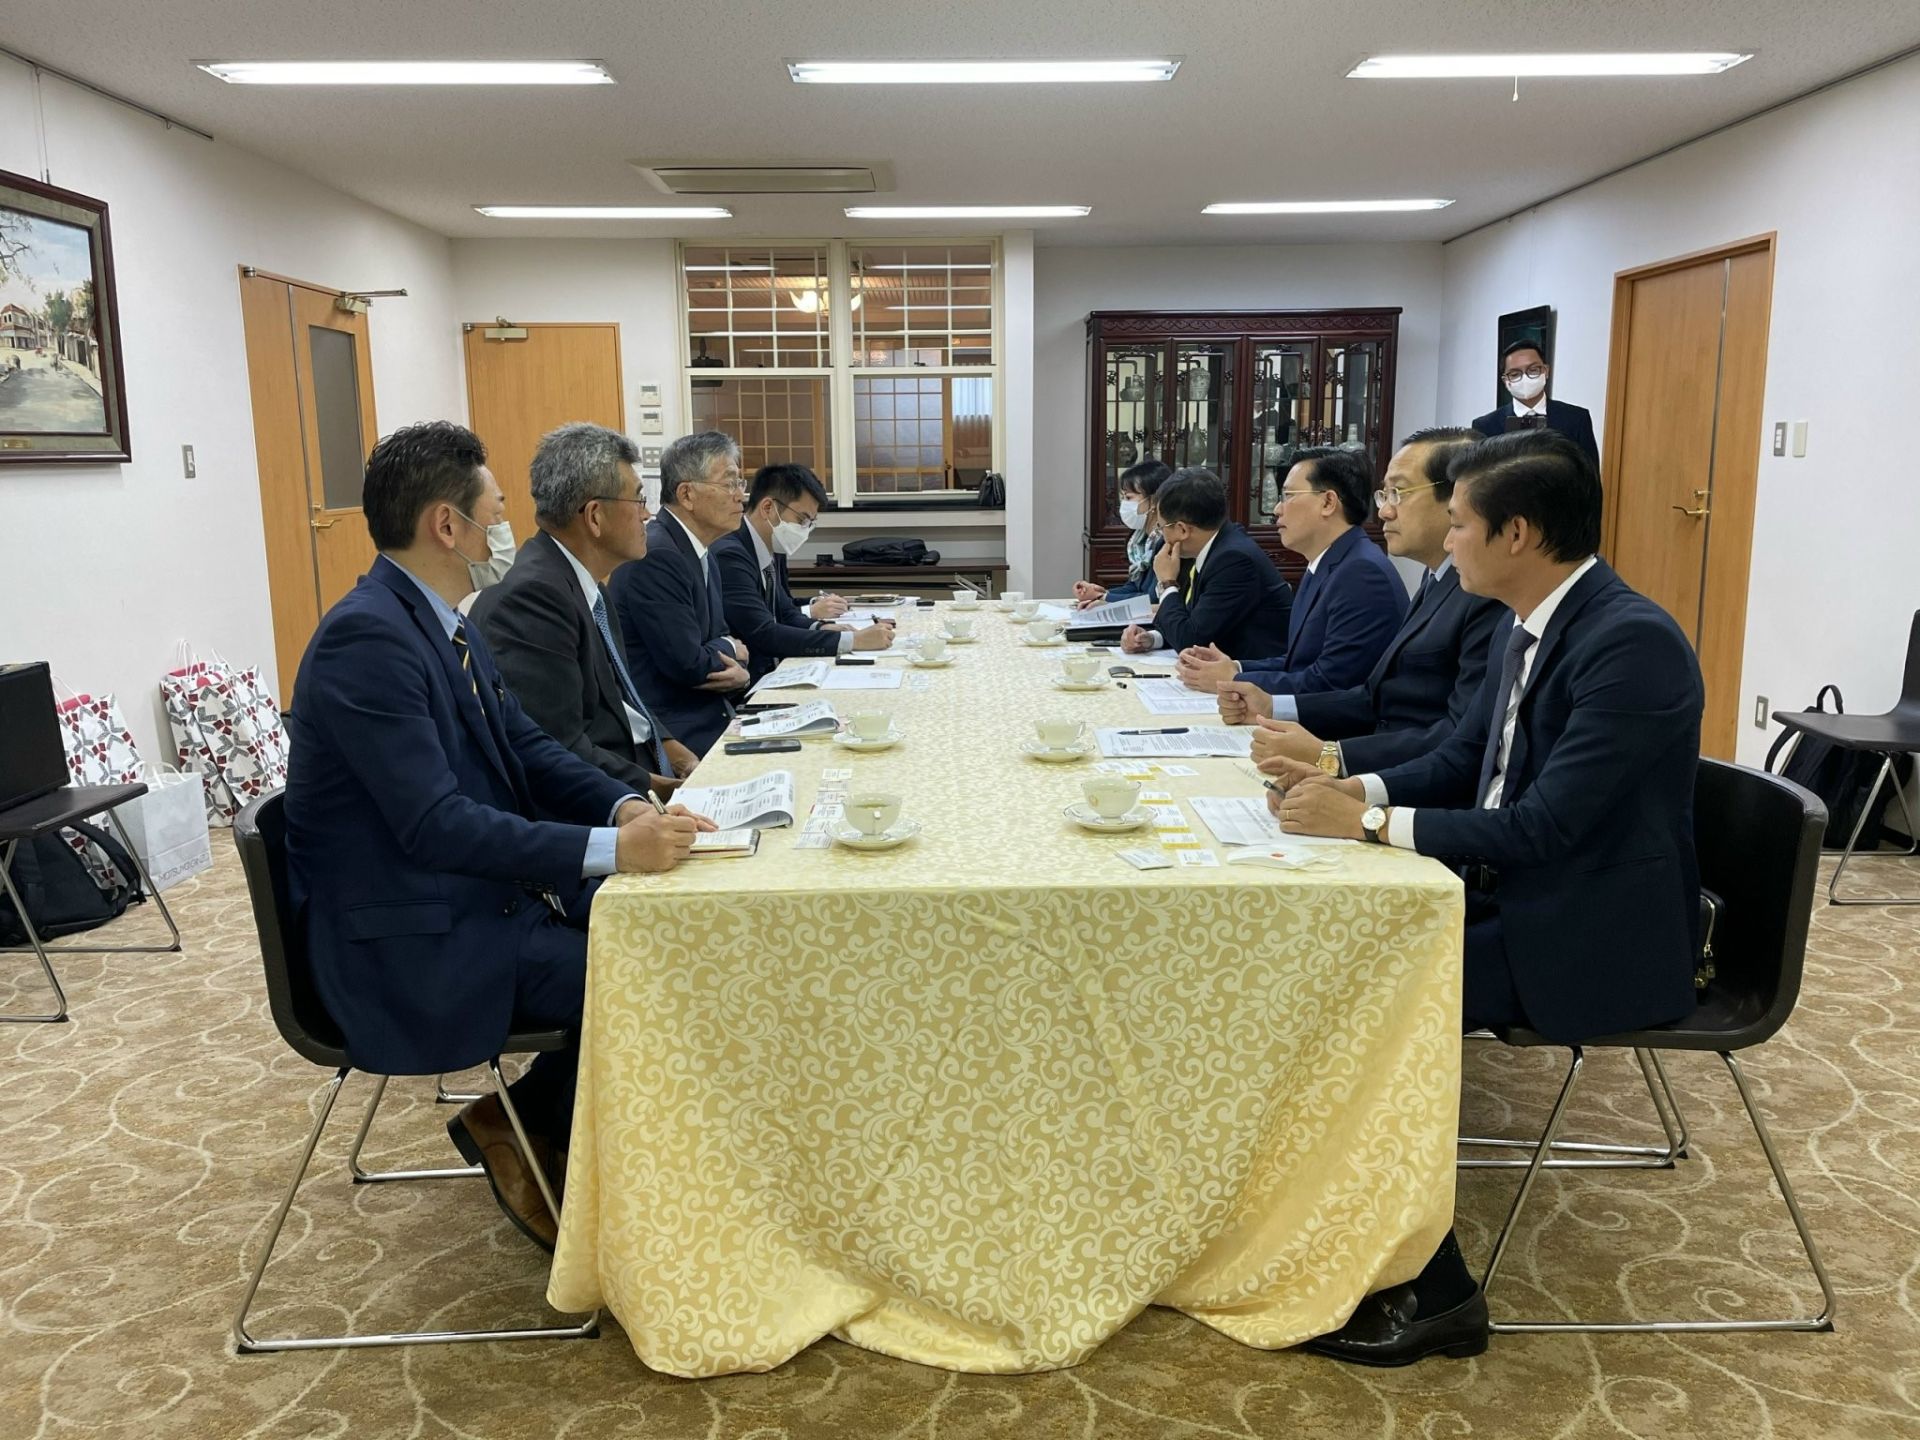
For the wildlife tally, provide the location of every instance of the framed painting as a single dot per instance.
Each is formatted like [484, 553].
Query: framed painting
[1535, 325]
[63, 396]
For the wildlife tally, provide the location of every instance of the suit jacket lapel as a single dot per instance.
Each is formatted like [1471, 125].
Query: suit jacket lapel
[1578, 598]
[702, 598]
[471, 709]
[1315, 581]
[1422, 616]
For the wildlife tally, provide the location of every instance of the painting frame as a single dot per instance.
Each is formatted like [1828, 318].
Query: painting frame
[1535, 324]
[78, 342]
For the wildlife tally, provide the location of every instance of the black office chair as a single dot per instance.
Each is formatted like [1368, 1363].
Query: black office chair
[260, 833]
[1890, 735]
[1758, 841]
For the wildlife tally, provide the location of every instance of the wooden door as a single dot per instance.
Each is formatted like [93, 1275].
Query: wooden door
[1685, 389]
[518, 390]
[311, 383]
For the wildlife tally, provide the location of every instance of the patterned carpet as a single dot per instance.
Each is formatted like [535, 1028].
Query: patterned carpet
[145, 1144]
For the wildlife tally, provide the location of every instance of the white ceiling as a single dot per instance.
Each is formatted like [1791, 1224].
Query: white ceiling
[1259, 110]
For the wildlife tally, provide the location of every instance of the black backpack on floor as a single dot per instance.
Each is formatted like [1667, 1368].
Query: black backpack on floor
[61, 895]
[1841, 777]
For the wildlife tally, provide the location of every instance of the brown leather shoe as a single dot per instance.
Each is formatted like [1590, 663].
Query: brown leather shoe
[483, 1135]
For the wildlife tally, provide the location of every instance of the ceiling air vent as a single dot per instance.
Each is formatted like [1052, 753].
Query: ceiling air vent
[771, 179]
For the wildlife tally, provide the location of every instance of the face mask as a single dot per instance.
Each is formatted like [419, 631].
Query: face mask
[1130, 515]
[500, 541]
[1526, 388]
[789, 536]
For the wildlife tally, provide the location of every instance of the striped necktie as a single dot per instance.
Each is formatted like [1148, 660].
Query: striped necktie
[466, 655]
[661, 765]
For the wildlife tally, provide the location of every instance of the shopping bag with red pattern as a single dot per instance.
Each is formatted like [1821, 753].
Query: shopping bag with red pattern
[228, 730]
[100, 751]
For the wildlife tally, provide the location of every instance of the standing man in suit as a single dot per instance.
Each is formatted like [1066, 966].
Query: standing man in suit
[1525, 373]
[781, 508]
[1566, 795]
[441, 848]
[1429, 673]
[670, 602]
[1232, 595]
[548, 622]
[1351, 600]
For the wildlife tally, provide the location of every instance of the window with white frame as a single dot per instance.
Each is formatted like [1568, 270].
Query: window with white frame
[873, 363]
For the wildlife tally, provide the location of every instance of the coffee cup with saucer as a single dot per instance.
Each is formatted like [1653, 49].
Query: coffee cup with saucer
[1044, 632]
[1080, 672]
[1059, 741]
[868, 730]
[1109, 805]
[874, 823]
[930, 651]
[957, 628]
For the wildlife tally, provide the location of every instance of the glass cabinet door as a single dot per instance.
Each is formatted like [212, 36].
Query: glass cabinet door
[1134, 417]
[1348, 395]
[1282, 417]
[1202, 407]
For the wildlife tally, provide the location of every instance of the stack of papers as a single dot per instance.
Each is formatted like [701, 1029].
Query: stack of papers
[1170, 697]
[816, 717]
[1136, 611]
[825, 675]
[758, 804]
[1176, 740]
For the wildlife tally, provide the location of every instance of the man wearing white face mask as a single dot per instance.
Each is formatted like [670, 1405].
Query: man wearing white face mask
[500, 552]
[781, 508]
[1525, 373]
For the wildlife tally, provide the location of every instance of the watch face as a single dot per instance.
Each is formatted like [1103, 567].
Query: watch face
[1373, 819]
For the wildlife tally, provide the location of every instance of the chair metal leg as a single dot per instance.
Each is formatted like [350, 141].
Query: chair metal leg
[39, 948]
[246, 1343]
[520, 1138]
[1822, 1321]
[1846, 855]
[1622, 1156]
[444, 1096]
[1534, 1167]
[375, 1177]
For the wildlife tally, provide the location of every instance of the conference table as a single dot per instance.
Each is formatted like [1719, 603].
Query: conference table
[978, 1100]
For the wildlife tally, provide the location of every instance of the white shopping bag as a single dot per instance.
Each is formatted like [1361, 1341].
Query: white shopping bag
[168, 826]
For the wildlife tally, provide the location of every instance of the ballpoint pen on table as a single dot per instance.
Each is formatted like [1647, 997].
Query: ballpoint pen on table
[1170, 730]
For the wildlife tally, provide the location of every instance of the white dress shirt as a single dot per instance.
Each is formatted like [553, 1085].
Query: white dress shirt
[1400, 824]
[636, 722]
[763, 557]
[1538, 408]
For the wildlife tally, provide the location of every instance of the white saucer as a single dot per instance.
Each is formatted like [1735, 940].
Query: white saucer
[961, 639]
[1059, 757]
[851, 741]
[921, 662]
[1041, 644]
[1061, 682]
[1087, 818]
[964, 607]
[901, 832]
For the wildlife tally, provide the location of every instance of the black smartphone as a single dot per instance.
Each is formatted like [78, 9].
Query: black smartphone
[755, 707]
[853, 660]
[760, 747]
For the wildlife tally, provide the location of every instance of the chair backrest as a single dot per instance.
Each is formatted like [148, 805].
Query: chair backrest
[1910, 682]
[1757, 837]
[260, 833]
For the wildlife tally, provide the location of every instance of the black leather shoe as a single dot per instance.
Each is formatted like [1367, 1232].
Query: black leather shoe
[1388, 1329]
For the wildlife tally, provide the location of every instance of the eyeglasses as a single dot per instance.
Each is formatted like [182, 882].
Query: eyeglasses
[1394, 494]
[639, 500]
[1532, 372]
[805, 522]
[1286, 494]
[733, 482]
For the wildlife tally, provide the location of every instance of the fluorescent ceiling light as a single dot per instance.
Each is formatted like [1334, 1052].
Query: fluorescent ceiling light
[604, 212]
[1505, 67]
[978, 72]
[761, 269]
[934, 265]
[964, 212]
[1319, 207]
[408, 72]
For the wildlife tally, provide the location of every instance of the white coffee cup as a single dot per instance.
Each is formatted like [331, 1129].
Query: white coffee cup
[870, 724]
[1026, 609]
[1111, 796]
[933, 647]
[874, 813]
[1012, 597]
[1080, 668]
[965, 599]
[1059, 734]
[1040, 630]
[957, 627]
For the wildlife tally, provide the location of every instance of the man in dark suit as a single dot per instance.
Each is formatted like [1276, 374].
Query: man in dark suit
[1430, 671]
[1351, 600]
[1566, 794]
[1524, 371]
[441, 848]
[548, 622]
[1231, 597]
[781, 508]
[670, 601]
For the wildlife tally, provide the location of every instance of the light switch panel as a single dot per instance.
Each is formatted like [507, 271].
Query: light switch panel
[1779, 437]
[650, 422]
[1799, 439]
[649, 393]
[650, 455]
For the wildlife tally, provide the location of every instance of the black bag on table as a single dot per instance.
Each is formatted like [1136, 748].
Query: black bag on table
[1839, 776]
[61, 896]
[888, 550]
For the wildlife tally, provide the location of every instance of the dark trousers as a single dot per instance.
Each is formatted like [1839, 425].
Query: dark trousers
[1487, 993]
[550, 991]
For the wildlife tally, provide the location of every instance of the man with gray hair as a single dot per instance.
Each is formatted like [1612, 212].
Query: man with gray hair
[671, 602]
[552, 630]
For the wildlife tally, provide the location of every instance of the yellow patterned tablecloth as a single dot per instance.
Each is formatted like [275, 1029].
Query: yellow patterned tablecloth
[977, 1101]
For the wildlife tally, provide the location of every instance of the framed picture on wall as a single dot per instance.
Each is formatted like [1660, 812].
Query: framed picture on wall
[63, 393]
[1535, 325]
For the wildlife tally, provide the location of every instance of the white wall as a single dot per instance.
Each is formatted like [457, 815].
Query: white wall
[1834, 581]
[1070, 282]
[107, 566]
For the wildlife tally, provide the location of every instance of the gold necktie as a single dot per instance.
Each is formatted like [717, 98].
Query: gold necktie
[466, 656]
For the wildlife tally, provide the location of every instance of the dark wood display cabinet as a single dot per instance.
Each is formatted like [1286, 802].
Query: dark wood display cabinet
[1238, 391]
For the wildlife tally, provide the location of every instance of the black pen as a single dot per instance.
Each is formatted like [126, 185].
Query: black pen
[1170, 730]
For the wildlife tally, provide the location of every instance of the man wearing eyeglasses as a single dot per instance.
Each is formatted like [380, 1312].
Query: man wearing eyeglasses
[671, 605]
[782, 507]
[1525, 373]
[553, 632]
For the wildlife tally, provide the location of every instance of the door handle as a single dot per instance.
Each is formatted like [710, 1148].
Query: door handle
[323, 524]
[1703, 510]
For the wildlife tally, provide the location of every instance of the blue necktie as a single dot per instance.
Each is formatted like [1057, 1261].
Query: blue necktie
[1518, 643]
[660, 764]
[1426, 584]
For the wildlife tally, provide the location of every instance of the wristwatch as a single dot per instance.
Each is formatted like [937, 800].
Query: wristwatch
[1371, 822]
